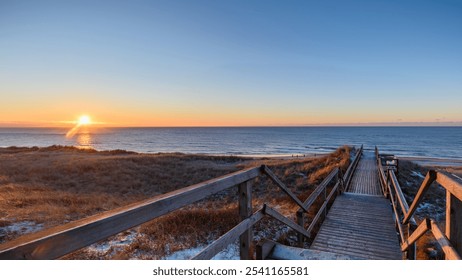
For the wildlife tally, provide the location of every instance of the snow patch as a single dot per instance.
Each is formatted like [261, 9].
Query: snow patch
[429, 209]
[118, 242]
[417, 174]
[229, 253]
[24, 227]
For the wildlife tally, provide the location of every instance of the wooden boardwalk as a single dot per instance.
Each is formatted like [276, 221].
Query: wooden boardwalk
[365, 179]
[360, 222]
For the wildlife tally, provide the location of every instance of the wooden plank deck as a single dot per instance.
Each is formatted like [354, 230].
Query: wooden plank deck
[360, 222]
[361, 226]
[365, 179]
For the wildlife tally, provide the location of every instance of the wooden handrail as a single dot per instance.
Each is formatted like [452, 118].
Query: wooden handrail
[221, 243]
[323, 207]
[351, 168]
[397, 217]
[447, 247]
[453, 186]
[430, 225]
[424, 226]
[447, 181]
[320, 188]
[451, 183]
[61, 240]
[399, 193]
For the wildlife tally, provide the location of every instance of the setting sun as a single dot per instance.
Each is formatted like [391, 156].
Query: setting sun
[84, 120]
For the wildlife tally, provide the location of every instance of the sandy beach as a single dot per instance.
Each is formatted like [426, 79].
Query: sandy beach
[428, 161]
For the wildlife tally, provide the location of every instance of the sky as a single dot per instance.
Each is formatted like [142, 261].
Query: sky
[231, 63]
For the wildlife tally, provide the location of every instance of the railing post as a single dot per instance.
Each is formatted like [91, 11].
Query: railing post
[325, 209]
[300, 222]
[411, 252]
[454, 221]
[245, 211]
[342, 183]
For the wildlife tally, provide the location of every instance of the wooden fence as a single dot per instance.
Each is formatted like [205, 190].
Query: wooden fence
[409, 232]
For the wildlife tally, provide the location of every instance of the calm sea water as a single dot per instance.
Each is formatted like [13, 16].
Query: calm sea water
[441, 142]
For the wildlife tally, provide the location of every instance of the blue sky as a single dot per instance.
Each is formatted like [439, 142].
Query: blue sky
[231, 62]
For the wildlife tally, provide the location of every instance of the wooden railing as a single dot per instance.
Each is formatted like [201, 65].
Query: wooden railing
[59, 241]
[351, 169]
[409, 232]
[341, 184]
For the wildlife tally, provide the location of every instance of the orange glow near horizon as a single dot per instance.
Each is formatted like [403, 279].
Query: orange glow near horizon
[114, 116]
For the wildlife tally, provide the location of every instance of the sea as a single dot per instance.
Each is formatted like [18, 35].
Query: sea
[434, 142]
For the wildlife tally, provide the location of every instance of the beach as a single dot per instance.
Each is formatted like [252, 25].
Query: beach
[45, 187]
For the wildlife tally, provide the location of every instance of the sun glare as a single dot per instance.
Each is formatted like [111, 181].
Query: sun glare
[81, 122]
[84, 120]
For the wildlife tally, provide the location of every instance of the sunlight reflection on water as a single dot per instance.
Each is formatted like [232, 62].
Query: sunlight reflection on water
[84, 140]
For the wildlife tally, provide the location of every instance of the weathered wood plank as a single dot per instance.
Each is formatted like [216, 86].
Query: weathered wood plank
[348, 174]
[281, 252]
[318, 215]
[245, 211]
[359, 252]
[361, 245]
[343, 232]
[449, 251]
[264, 249]
[301, 223]
[229, 237]
[58, 241]
[359, 225]
[397, 217]
[454, 221]
[399, 194]
[320, 188]
[424, 226]
[283, 187]
[450, 183]
[275, 214]
[365, 179]
[429, 179]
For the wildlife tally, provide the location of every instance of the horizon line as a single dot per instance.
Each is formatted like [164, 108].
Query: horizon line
[363, 124]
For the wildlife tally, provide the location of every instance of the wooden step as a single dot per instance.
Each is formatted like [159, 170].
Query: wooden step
[276, 251]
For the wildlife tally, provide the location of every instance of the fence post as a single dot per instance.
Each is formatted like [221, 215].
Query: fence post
[411, 252]
[245, 211]
[300, 222]
[454, 221]
[342, 183]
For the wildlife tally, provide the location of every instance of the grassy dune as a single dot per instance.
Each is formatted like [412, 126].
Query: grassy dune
[51, 186]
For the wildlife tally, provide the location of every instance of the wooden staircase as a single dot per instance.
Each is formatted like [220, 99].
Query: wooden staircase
[359, 224]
